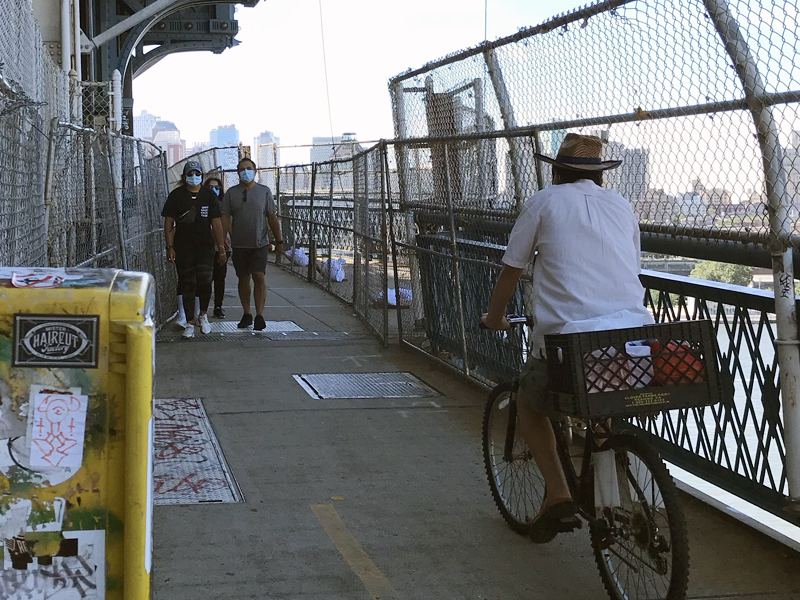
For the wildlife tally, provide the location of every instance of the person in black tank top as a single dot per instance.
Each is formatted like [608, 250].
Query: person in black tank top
[192, 226]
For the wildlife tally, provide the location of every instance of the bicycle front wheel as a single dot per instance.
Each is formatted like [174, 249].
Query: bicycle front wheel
[517, 484]
[641, 546]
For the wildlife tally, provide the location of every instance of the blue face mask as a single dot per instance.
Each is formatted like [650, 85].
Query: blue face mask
[247, 175]
[194, 179]
[216, 191]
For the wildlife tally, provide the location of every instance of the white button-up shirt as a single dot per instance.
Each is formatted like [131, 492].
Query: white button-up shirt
[588, 261]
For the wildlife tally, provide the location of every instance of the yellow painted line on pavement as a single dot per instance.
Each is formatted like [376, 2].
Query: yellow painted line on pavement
[370, 575]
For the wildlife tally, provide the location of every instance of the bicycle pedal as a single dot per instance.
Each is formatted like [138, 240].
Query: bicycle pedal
[570, 523]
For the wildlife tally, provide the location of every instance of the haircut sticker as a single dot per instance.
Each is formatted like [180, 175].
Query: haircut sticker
[55, 341]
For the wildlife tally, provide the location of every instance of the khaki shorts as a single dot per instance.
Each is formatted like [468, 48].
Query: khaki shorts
[533, 392]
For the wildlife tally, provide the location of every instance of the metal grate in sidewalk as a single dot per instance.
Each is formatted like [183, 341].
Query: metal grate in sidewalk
[224, 330]
[364, 385]
[189, 466]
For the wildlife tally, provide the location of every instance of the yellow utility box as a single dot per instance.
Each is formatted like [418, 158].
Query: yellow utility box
[76, 433]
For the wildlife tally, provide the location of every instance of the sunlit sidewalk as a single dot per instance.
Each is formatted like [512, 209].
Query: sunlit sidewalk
[366, 497]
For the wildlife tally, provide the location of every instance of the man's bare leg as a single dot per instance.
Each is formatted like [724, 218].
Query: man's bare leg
[244, 293]
[538, 433]
[260, 292]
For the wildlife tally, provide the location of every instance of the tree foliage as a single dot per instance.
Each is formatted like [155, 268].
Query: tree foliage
[724, 272]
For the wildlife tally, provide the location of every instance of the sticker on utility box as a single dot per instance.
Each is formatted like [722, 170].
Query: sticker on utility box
[55, 341]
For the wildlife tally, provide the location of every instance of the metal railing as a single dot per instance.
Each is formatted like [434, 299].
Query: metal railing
[698, 98]
[335, 230]
[78, 197]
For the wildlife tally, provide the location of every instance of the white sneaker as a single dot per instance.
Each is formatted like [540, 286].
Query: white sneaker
[188, 332]
[205, 326]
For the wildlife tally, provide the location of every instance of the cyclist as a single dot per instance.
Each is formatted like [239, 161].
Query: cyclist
[587, 247]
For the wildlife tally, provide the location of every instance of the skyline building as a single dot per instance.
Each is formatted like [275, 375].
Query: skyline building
[266, 156]
[167, 136]
[330, 148]
[224, 136]
[143, 125]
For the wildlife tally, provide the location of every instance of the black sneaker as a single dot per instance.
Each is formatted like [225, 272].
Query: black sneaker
[246, 321]
[259, 324]
[218, 313]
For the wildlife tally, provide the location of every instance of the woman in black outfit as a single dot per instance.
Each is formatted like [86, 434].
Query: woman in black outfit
[220, 267]
[191, 214]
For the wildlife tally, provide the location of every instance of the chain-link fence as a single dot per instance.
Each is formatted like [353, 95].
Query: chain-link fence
[334, 227]
[104, 196]
[699, 99]
[72, 194]
[216, 162]
[656, 81]
[33, 90]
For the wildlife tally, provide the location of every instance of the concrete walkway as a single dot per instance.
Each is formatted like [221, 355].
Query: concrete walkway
[360, 499]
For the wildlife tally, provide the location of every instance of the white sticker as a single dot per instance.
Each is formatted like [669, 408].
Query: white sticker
[77, 577]
[203, 211]
[59, 427]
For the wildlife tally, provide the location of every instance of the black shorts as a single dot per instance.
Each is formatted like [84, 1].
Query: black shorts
[250, 260]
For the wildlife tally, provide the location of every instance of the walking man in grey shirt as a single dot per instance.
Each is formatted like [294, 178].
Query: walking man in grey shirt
[247, 209]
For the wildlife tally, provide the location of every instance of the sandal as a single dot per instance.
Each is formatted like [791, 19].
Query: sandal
[559, 518]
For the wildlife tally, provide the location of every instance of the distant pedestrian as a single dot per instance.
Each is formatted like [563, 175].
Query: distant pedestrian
[220, 267]
[247, 209]
[191, 213]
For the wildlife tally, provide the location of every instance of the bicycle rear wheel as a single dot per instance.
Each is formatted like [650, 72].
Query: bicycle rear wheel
[517, 484]
[641, 547]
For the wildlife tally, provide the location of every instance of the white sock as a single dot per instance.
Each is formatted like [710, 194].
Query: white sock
[196, 305]
[181, 312]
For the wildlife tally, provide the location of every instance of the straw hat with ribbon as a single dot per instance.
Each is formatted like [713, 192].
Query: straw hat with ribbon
[581, 153]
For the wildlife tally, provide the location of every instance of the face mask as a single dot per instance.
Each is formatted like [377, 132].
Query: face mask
[194, 179]
[247, 175]
[216, 191]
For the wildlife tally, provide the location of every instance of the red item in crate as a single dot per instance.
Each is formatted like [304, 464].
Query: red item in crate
[676, 364]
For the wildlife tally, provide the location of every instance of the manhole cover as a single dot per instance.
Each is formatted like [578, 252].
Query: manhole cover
[189, 466]
[364, 385]
[222, 330]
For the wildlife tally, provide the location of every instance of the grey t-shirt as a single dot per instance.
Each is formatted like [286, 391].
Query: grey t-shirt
[249, 227]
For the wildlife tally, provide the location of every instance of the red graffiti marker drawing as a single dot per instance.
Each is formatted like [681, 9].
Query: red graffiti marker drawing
[59, 428]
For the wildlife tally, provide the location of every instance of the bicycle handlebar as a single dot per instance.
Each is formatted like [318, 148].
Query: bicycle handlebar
[514, 321]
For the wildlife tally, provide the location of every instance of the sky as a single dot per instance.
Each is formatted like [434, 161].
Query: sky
[275, 79]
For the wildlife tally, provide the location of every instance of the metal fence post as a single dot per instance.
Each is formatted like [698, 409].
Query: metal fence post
[113, 165]
[393, 239]
[92, 193]
[456, 270]
[366, 241]
[330, 229]
[384, 249]
[537, 148]
[48, 187]
[480, 127]
[150, 247]
[778, 204]
[509, 122]
[312, 230]
[404, 182]
[357, 210]
[290, 220]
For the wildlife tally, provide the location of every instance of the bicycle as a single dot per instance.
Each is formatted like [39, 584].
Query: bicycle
[622, 489]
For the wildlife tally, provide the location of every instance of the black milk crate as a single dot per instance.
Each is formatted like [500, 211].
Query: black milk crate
[593, 375]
